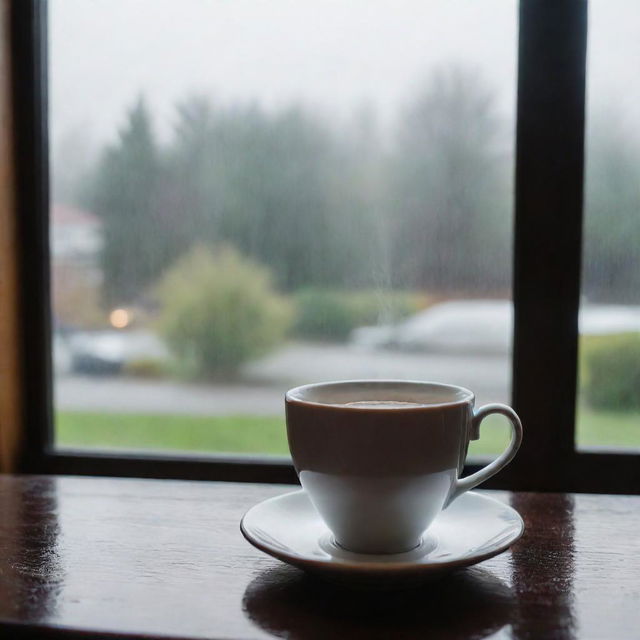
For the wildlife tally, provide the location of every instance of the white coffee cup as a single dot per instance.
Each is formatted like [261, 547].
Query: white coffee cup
[380, 459]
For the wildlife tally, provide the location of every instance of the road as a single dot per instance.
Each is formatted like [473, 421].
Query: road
[264, 382]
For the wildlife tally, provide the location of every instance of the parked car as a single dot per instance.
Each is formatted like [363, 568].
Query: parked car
[104, 352]
[61, 354]
[481, 326]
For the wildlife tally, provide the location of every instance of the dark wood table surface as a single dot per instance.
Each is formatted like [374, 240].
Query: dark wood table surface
[155, 558]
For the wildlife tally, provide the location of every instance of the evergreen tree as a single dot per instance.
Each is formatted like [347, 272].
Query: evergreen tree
[277, 186]
[124, 193]
[451, 188]
[612, 210]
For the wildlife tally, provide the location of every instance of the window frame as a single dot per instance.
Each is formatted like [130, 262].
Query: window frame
[546, 277]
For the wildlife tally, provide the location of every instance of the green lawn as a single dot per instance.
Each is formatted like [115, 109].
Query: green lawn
[241, 434]
[608, 428]
[253, 434]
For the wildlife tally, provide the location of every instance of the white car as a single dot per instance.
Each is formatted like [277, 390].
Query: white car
[481, 326]
[106, 352]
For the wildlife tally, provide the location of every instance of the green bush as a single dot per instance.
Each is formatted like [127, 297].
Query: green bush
[327, 314]
[145, 368]
[218, 310]
[610, 371]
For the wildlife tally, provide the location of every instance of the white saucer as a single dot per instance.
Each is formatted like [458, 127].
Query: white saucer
[474, 528]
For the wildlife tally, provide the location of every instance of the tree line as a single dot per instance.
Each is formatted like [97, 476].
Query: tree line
[428, 207]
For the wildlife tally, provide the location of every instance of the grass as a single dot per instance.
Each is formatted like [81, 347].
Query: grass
[609, 428]
[255, 434]
[241, 434]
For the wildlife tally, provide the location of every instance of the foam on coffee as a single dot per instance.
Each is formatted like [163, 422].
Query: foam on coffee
[382, 404]
[379, 394]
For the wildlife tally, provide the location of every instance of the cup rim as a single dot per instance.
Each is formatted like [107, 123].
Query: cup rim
[291, 396]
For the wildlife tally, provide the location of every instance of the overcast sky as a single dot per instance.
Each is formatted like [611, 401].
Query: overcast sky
[333, 55]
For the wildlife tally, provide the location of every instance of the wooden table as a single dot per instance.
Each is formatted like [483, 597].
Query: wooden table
[153, 558]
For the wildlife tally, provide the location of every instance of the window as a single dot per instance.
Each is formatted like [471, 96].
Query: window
[546, 282]
[331, 196]
[609, 398]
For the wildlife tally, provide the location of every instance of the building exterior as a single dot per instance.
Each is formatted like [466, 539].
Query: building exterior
[76, 276]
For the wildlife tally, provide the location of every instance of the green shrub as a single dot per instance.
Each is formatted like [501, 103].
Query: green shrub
[327, 314]
[218, 310]
[610, 371]
[145, 368]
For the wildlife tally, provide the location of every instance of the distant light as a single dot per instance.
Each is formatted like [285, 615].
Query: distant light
[119, 318]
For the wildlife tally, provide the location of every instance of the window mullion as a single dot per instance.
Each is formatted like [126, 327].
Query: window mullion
[30, 108]
[548, 234]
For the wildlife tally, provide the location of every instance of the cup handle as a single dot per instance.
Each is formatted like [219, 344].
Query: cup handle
[469, 482]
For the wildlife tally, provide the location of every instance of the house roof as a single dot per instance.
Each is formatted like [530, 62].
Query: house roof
[62, 214]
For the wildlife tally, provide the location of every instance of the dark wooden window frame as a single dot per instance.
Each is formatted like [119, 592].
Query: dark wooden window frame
[546, 286]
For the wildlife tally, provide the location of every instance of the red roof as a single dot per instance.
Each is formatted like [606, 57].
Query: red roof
[64, 214]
